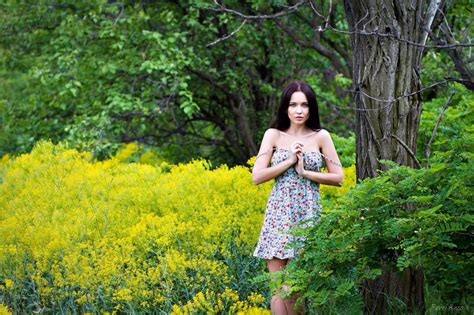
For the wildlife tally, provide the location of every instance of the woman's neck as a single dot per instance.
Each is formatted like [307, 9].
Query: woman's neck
[298, 131]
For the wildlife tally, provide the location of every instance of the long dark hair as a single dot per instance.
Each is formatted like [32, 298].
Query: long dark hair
[282, 122]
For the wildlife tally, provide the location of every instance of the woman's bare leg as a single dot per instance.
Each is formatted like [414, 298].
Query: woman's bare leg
[290, 302]
[277, 304]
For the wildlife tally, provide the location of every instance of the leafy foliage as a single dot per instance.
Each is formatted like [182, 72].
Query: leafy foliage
[99, 74]
[414, 217]
[458, 118]
[345, 147]
[90, 66]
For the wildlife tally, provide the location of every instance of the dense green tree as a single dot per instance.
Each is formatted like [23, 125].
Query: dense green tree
[100, 74]
[92, 73]
[386, 75]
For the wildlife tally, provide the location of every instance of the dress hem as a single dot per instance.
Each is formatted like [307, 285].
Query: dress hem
[274, 256]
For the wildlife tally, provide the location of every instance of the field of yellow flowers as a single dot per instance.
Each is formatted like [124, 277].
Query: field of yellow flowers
[109, 236]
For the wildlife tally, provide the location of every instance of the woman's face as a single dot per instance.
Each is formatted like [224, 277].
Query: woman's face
[298, 108]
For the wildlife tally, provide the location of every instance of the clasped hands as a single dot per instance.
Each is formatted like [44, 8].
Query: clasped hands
[297, 157]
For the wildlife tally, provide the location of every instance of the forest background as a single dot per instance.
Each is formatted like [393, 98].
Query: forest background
[120, 213]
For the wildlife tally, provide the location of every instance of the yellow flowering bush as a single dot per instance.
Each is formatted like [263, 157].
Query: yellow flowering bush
[331, 194]
[228, 300]
[4, 310]
[115, 237]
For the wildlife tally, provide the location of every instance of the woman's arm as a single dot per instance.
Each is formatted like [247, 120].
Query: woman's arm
[261, 171]
[334, 176]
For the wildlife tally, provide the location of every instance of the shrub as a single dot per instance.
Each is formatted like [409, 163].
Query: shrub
[405, 217]
[126, 237]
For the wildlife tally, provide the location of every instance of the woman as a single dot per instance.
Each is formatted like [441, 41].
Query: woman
[296, 140]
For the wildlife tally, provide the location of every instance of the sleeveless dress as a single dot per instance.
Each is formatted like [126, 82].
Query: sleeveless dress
[293, 198]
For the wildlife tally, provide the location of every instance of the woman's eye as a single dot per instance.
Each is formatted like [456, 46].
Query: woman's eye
[303, 105]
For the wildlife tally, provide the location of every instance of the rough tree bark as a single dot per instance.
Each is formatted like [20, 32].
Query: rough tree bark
[386, 68]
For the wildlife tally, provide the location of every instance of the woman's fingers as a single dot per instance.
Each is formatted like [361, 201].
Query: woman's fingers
[297, 146]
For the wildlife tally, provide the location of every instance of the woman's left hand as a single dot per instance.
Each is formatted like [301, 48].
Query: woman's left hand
[299, 165]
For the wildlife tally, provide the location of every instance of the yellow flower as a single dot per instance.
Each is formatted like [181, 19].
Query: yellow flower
[9, 283]
[255, 298]
[133, 230]
[4, 310]
[255, 311]
[124, 294]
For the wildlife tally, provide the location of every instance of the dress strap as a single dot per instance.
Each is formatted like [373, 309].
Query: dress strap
[330, 160]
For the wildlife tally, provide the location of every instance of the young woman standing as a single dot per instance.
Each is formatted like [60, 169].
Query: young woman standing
[298, 145]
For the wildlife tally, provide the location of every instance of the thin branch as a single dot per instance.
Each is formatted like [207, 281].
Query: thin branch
[328, 53]
[315, 10]
[372, 33]
[390, 101]
[327, 26]
[290, 32]
[363, 18]
[435, 129]
[461, 66]
[122, 8]
[430, 14]
[325, 18]
[445, 20]
[211, 80]
[227, 36]
[410, 152]
[222, 8]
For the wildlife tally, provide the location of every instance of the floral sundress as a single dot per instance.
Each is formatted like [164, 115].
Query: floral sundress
[293, 198]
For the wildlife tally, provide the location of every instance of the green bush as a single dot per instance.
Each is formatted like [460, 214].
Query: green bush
[413, 218]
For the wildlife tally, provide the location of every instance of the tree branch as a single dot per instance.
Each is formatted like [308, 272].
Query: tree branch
[410, 152]
[208, 78]
[316, 45]
[429, 17]
[455, 54]
[327, 25]
[375, 33]
[435, 129]
[222, 8]
[227, 36]
[390, 101]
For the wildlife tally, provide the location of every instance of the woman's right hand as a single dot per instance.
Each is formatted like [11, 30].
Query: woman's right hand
[296, 148]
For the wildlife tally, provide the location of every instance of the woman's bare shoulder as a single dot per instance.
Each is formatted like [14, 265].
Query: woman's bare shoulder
[320, 135]
[323, 132]
[270, 138]
[324, 135]
[272, 132]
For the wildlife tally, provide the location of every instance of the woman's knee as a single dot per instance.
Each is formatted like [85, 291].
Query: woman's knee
[276, 264]
[292, 297]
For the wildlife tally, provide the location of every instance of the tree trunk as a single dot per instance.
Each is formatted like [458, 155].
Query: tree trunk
[385, 68]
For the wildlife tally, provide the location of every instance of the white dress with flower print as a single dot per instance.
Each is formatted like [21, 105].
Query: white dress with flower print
[293, 199]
